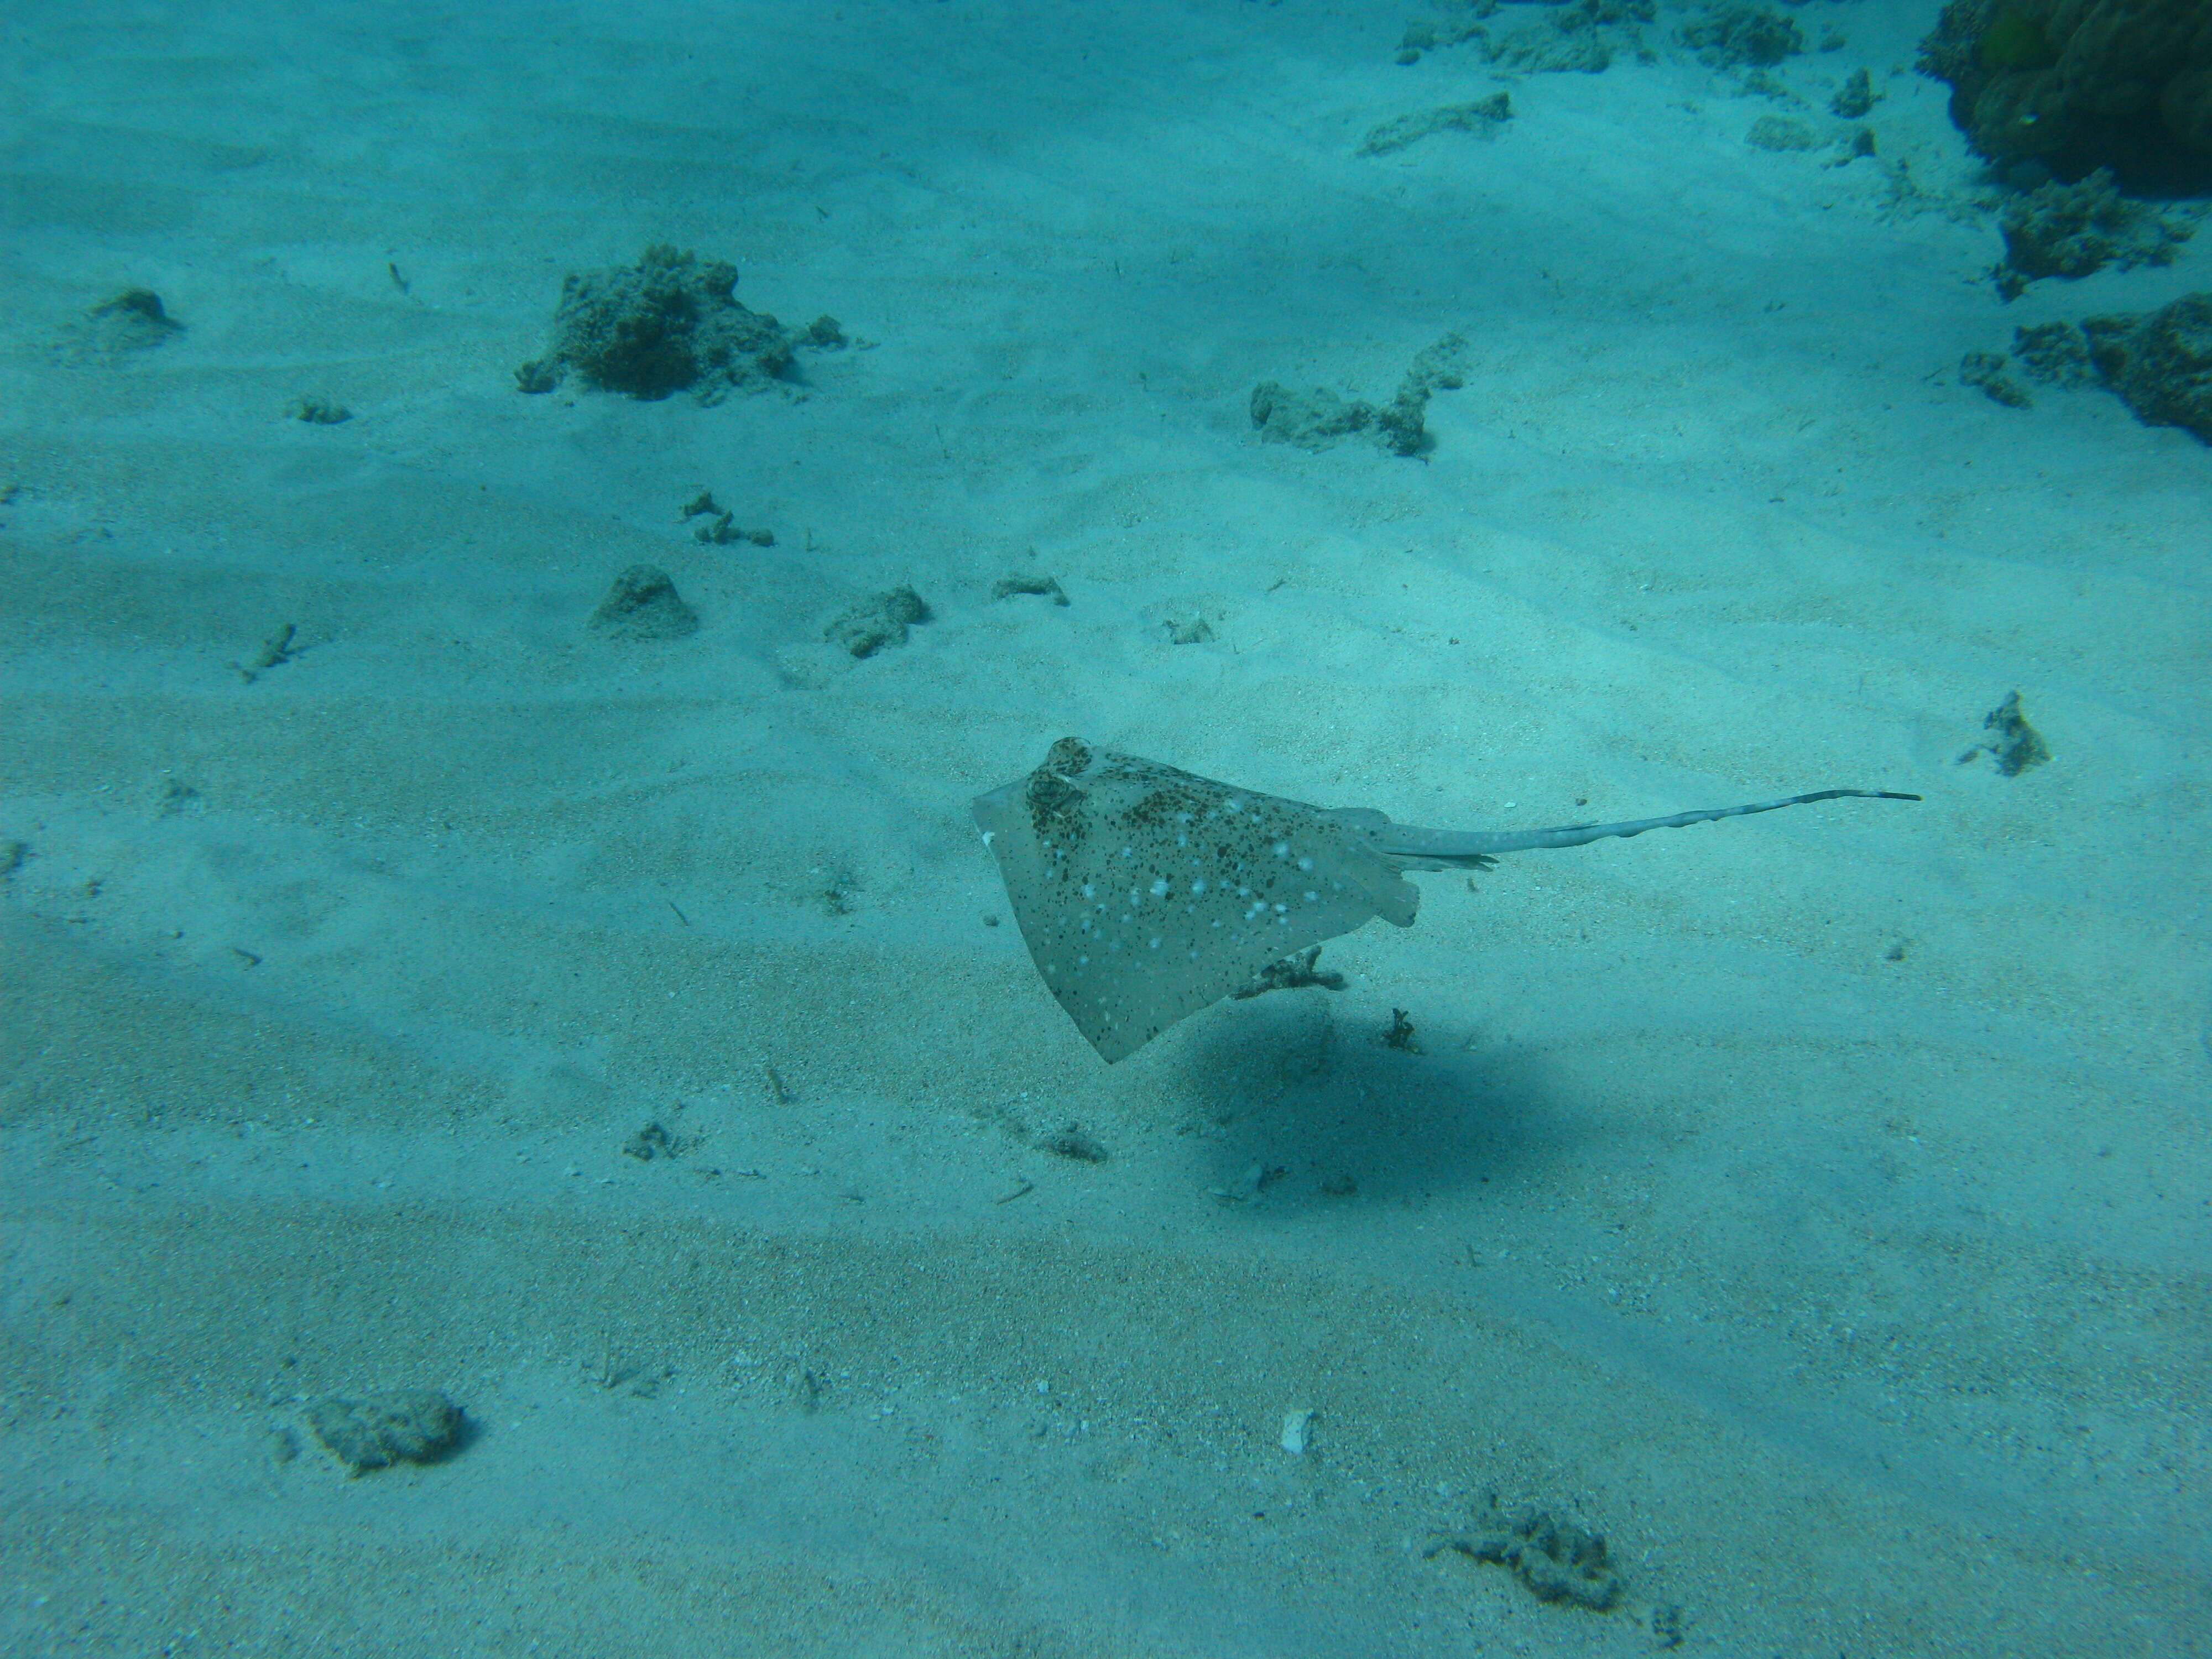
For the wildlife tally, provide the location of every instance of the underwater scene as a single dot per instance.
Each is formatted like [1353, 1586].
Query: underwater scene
[1106, 829]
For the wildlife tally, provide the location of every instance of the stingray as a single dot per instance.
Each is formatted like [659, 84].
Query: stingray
[1145, 893]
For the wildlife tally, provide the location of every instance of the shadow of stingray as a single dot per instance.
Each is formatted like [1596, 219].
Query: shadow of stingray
[1314, 1108]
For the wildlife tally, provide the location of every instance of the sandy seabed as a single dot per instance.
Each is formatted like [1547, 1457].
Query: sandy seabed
[1813, 1206]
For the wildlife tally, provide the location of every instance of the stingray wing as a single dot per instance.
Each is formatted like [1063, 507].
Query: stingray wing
[1145, 893]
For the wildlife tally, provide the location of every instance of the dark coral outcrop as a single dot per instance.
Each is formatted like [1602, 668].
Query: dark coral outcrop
[2074, 85]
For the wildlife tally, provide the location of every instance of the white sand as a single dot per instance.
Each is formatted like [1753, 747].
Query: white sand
[1860, 1302]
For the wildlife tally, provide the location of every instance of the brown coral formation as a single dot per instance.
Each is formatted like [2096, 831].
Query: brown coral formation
[2076, 85]
[2159, 364]
[2076, 230]
[672, 323]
